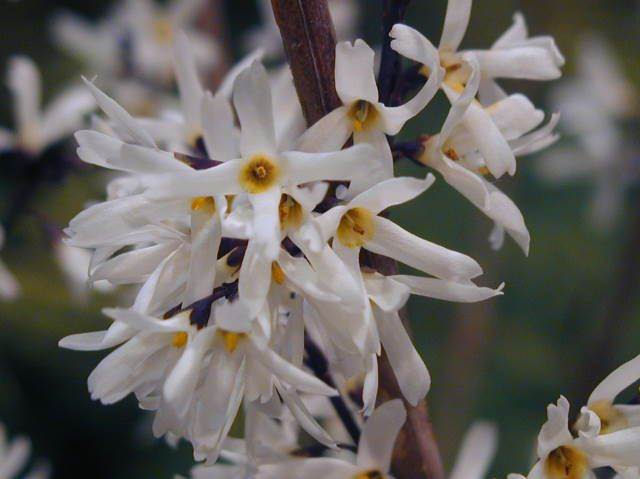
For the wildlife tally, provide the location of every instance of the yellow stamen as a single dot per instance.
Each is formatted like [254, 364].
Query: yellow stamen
[204, 204]
[291, 214]
[259, 174]
[163, 30]
[566, 462]
[179, 339]
[231, 339]
[277, 274]
[363, 115]
[374, 474]
[356, 227]
[611, 419]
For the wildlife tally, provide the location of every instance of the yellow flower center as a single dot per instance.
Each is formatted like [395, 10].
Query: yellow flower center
[356, 227]
[179, 339]
[566, 462]
[611, 419]
[277, 274]
[162, 30]
[374, 474]
[231, 339]
[291, 214]
[363, 115]
[259, 174]
[204, 204]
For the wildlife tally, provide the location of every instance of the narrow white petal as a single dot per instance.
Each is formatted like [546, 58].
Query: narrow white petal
[516, 33]
[219, 133]
[525, 62]
[354, 74]
[65, 114]
[466, 292]
[15, 458]
[189, 86]
[120, 116]
[329, 133]
[408, 367]
[252, 99]
[455, 24]
[393, 241]
[388, 294]
[476, 452]
[379, 436]
[255, 278]
[616, 382]
[23, 79]
[148, 323]
[390, 193]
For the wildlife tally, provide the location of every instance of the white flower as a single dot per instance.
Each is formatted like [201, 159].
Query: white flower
[372, 460]
[9, 286]
[135, 37]
[562, 456]
[361, 115]
[594, 103]
[36, 129]
[14, 456]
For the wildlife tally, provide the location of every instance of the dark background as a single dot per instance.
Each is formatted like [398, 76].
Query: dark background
[503, 360]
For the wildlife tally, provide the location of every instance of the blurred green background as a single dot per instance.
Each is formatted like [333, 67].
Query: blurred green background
[503, 360]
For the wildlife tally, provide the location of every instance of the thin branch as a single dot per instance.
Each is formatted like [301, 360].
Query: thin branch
[317, 362]
[390, 66]
[309, 41]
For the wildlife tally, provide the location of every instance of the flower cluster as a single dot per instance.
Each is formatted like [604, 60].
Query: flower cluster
[252, 239]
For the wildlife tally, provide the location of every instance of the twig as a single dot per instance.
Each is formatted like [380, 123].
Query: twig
[390, 68]
[317, 362]
[309, 41]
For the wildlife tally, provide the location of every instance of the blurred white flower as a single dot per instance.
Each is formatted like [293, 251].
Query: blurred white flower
[14, 456]
[594, 103]
[9, 286]
[36, 129]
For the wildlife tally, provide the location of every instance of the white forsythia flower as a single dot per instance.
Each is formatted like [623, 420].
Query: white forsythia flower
[563, 456]
[135, 37]
[14, 456]
[36, 129]
[9, 286]
[362, 116]
[594, 103]
[344, 14]
[372, 460]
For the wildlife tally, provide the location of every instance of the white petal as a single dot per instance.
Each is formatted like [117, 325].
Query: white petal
[524, 62]
[516, 33]
[395, 242]
[620, 448]
[412, 44]
[389, 295]
[379, 436]
[252, 99]
[148, 323]
[616, 382]
[515, 115]
[218, 128]
[23, 79]
[455, 24]
[447, 290]
[408, 367]
[555, 432]
[143, 160]
[355, 77]
[390, 193]
[290, 374]
[94, 341]
[467, 182]
[266, 222]
[255, 278]
[312, 468]
[305, 418]
[189, 85]
[15, 458]
[9, 287]
[505, 213]
[340, 165]
[205, 240]
[476, 452]
[381, 170]
[181, 382]
[329, 133]
[120, 116]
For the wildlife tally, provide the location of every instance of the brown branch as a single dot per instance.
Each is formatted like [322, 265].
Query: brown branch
[309, 41]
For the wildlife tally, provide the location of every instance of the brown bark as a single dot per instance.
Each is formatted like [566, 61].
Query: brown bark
[309, 41]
